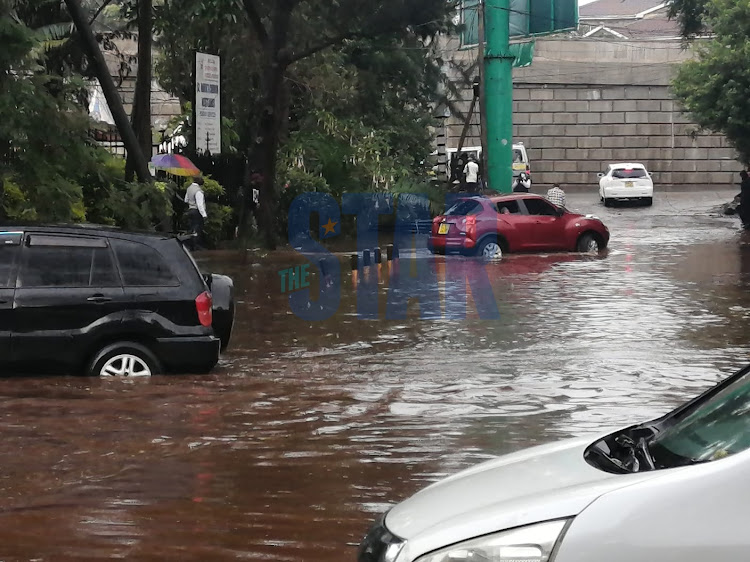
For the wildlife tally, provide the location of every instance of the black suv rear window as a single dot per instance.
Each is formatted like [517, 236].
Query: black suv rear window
[63, 266]
[142, 266]
[623, 173]
[464, 208]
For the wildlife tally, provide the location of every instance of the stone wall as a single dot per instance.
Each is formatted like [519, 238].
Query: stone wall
[583, 104]
[573, 132]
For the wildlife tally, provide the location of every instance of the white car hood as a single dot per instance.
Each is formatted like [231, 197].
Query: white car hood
[533, 485]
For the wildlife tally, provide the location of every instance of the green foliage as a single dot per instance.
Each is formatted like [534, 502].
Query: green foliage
[15, 206]
[138, 206]
[294, 182]
[691, 15]
[211, 188]
[435, 194]
[216, 225]
[46, 156]
[359, 111]
[714, 87]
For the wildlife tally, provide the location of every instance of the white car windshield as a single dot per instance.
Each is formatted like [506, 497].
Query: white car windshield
[717, 428]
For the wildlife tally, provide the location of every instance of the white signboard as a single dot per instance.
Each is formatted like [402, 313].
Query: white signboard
[207, 103]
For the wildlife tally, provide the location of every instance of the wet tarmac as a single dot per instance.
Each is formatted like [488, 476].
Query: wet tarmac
[307, 430]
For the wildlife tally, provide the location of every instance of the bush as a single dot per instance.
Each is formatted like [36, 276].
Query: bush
[215, 227]
[295, 182]
[14, 204]
[139, 206]
[435, 194]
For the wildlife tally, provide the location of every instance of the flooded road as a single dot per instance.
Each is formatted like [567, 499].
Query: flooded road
[307, 430]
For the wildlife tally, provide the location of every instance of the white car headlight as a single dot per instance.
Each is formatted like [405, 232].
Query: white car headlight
[533, 543]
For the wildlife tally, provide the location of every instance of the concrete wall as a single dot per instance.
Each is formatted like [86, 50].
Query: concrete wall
[585, 103]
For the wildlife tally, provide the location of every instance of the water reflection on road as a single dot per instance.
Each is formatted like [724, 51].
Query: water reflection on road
[308, 429]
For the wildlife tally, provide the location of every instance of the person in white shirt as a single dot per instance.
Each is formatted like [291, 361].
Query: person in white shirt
[471, 171]
[196, 201]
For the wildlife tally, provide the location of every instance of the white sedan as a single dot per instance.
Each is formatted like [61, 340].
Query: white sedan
[673, 489]
[626, 182]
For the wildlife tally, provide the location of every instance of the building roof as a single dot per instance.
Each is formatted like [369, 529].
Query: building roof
[649, 28]
[612, 8]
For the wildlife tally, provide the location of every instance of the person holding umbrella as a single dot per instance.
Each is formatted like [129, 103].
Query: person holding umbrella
[196, 202]
[178, 165]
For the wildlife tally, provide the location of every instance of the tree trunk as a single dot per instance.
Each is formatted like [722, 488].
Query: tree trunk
[110, 91]
[270, 121]
[141, 117]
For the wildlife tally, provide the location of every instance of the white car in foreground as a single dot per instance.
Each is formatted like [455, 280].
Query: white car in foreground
[626, 182]
[674, 489]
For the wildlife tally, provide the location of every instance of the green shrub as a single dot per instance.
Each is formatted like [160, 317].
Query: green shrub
[139, 206]
[215, 227]
[295, 182]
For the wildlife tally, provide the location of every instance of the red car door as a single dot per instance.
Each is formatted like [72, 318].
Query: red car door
[515, 225]
[547, 227]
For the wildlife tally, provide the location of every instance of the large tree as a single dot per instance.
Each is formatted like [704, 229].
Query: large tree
[714, 86]
[268, 46]
[289, 31]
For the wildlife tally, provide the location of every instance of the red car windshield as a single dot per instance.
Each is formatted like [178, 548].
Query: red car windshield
[625, 173]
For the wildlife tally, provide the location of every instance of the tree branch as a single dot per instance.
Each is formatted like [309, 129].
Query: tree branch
[329, 42]
[100, 10]
[256, 21]
[384, 28]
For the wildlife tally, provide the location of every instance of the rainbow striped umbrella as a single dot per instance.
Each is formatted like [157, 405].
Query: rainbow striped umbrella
[175, 164]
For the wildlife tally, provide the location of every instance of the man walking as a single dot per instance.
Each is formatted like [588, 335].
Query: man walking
[556, 196]
[196, 213]
[471, 171]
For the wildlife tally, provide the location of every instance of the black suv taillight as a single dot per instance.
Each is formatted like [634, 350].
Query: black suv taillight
[204, 306]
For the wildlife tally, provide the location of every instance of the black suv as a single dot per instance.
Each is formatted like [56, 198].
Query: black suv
[106, 302]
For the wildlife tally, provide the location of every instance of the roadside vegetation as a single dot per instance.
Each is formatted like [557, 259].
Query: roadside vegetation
[321, 96]
[713, 87]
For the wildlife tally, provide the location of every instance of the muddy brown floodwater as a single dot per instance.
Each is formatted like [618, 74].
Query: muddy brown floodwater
[308, 430]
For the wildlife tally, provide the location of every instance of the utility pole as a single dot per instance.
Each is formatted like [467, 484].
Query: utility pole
[482, 98]
[498, 88]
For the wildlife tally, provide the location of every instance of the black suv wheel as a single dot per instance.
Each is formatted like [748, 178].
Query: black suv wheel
[124, 359]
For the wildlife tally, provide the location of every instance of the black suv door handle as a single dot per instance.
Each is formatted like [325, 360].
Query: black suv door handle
[99, 298]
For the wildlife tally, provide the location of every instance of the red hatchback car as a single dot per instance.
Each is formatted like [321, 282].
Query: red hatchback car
[520, 222]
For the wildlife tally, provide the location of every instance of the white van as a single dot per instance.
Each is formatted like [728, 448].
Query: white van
[520, 160]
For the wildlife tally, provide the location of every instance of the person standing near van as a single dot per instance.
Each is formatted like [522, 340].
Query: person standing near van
[471, 172]
[522, 184]
[196, 202]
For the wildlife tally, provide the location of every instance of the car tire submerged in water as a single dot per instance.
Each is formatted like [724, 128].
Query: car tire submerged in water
[490, 249]
[588, 244]
[124, 359]
[607, 202]
[648, 201]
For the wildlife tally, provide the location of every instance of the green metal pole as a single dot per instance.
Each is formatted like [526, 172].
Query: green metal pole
[498, 88]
